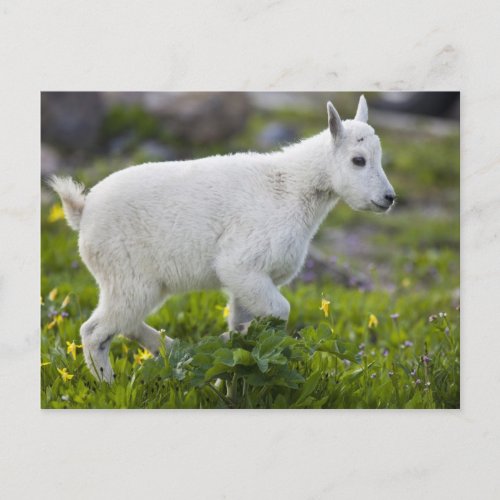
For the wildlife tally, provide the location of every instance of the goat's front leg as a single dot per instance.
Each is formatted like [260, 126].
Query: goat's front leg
[253, 294]
[239, 316]
[149, 338]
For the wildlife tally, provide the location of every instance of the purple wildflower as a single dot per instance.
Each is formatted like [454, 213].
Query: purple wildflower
[395, 316]
[361, 351]
[418, 381]
[413, 372]
[408, 343]
[385, 352]
[308, 276]
[426, 359]
[373, 375]
[64, 314]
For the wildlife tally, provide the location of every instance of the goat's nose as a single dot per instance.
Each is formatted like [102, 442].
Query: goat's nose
[390, 198]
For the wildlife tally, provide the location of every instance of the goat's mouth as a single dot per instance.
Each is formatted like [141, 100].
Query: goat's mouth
[382, 208]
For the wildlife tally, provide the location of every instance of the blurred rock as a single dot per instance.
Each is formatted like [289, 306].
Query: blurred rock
[276, 134]
[72, 120]
[153, 150]
[272, 101]
[200, 118]
[323, 270]
[111, 99]
[319, 266]
[50, 160]
[121, 144]
[418, 103]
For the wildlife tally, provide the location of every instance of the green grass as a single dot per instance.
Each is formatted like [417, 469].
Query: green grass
[410, 259]
[335, 362]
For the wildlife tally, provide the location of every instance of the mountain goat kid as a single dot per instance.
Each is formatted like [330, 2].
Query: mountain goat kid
[240, 222]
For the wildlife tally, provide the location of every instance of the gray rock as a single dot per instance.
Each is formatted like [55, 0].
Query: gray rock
[72, 120]
[276, 134]
[200, 118]
[111, 99]
[50, 160]
[121, 144]
[153, 150]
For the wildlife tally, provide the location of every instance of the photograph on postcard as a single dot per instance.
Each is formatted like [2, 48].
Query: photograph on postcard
[254, 250]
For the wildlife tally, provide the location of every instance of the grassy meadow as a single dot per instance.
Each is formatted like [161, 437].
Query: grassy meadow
[374, 314]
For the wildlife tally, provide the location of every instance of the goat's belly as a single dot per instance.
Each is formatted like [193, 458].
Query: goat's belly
[119, 258]
[188, 279]
[184, 269]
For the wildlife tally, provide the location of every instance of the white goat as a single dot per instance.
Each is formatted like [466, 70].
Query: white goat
[240, 222]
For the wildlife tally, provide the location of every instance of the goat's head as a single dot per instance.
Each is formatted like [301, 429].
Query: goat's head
[357, 174]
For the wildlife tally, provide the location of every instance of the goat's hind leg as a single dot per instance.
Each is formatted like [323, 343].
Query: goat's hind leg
[149, 297]
[96, 334]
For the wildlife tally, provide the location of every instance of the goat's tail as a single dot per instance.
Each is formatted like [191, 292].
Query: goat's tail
[72, 197]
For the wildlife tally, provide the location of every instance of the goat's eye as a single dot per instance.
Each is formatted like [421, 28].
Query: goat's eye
[359, 161]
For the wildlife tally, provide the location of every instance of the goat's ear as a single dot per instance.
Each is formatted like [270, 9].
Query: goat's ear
[362, 112]
[334, 122]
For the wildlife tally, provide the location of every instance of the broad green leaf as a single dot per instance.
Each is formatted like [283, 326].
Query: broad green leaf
[308, 387]
[224, 356]
[243, 357]
[262, 363]
[216, 370]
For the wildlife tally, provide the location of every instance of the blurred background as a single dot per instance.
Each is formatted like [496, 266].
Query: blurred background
[415, 246]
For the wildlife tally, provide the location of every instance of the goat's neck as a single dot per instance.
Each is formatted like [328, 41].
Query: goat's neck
[308, 167]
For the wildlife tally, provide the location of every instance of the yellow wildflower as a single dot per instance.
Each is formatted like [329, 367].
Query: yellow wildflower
[64, 374]
[141, 356]
[72, 347]
[372, 321]
[42, 303]
[65, 301]
[225, 310]
[406, 282]
[325, 307]
[53, 294]
[56, 213]
[58, 319]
